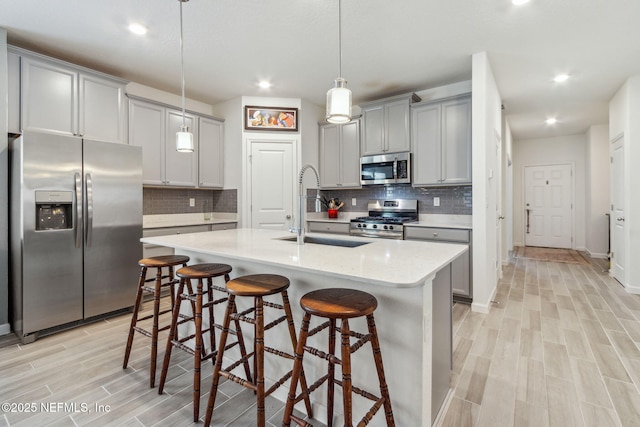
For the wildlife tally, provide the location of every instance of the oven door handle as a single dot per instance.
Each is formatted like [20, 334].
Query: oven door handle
[395, 168]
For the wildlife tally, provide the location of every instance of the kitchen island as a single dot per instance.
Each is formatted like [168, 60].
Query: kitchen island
[411, 281]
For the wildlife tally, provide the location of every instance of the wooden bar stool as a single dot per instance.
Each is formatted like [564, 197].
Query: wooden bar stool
[159, 262]
[257, 286]
[201, 273]
[340, 304]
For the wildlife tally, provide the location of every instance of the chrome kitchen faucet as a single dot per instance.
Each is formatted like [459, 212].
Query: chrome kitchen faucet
[301, 202]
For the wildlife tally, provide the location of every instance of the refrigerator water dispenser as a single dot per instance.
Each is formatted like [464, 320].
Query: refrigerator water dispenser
[54, 210]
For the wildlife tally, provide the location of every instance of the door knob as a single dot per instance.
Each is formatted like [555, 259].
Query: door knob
[288, 216]
[501, 217]
[620, 219]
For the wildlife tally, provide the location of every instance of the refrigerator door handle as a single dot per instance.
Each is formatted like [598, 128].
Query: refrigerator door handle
[78, 222]
[89, 187]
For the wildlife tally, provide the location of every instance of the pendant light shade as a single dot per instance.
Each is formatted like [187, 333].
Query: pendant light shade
[184, 138]
[339, 97]
[339, 103]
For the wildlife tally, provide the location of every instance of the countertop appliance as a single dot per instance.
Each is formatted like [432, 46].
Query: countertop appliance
[394, 168]
[385, 219]
[75, 229]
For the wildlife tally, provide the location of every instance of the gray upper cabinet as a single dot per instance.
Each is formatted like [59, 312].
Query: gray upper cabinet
[387, 125]
[340, 155]
[441, 142]
[57, 97]
[153, 127]
[147, 130]
[180, 168]
[13, 65]
[210, 153]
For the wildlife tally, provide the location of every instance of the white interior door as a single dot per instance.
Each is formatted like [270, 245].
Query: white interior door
[548, 206]
[618, 232]
[272, 170]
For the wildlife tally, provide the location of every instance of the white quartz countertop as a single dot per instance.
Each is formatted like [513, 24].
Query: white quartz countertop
[182, 220]
[387, 262]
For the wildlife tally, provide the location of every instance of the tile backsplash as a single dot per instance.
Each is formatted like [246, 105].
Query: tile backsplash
[161, 201]
[455, 200]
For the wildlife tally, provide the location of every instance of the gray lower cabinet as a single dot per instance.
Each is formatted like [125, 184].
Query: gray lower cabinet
[328, 227]
[441, 338]
[149, 250]
[461, 268]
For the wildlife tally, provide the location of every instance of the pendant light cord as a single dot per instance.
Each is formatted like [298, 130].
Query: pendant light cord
[182, 62]
[340, 38]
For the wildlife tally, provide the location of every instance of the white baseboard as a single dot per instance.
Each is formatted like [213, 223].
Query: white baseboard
[632, 289]
[596, 255]
[5, 329]
[484, 308]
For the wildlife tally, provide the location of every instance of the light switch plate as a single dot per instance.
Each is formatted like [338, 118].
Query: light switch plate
[353, 201]
[192, 202]
[436, 201]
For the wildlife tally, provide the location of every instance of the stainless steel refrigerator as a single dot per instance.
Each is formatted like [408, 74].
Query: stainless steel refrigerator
[75, 228]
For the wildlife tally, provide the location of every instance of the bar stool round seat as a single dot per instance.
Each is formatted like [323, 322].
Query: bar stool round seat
[339, 304]
[194, 343]
[161, 281]
[256, 286]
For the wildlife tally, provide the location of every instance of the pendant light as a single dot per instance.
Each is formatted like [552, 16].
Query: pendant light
[339, 97]
[184, 138]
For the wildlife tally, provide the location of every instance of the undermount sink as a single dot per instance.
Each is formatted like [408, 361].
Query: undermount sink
[327, 241]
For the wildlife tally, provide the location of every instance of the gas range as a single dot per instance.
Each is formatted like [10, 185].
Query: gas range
[386, 219]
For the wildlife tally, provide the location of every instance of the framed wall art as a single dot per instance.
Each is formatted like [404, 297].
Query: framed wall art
[270, 118]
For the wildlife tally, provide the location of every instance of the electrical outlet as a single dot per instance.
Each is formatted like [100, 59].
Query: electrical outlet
[353, 201]
[192, 202]
[436, 201]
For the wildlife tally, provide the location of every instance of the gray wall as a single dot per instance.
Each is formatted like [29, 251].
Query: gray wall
[4, 190]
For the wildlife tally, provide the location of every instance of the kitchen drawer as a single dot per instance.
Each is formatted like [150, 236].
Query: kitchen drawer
[437, 234]
[329, 227]
[164, 231]
[224, 226]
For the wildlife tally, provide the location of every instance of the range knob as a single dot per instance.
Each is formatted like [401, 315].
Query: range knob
[386, 227]
[391, 227]
[375, 226]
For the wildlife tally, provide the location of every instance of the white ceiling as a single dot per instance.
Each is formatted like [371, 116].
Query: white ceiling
[389, 47]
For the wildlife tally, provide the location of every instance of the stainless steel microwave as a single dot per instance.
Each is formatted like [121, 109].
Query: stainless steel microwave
[394, 168]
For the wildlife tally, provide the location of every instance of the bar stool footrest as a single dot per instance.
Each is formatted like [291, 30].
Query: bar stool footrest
[279, 353]
[275, 323]
[238, 380]
[322, 355]
[300, 422]
[311, 388]
[319, 328]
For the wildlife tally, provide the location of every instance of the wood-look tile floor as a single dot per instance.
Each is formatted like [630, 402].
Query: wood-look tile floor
[82, 368]
[560, 347]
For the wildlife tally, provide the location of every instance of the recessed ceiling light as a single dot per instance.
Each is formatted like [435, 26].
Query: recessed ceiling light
[551, 121]
[561, 78]
[264, 84]
[138, 29]
[519, 2]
